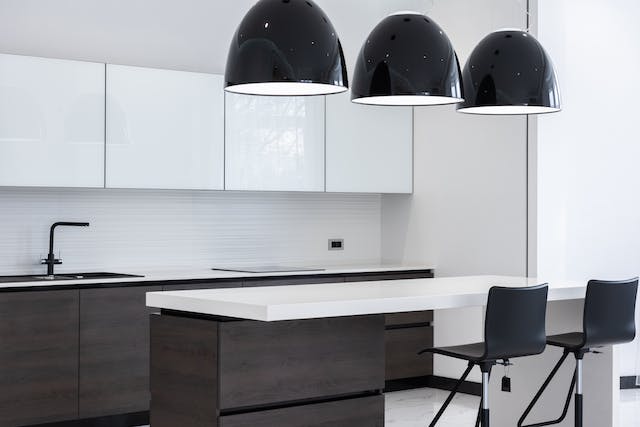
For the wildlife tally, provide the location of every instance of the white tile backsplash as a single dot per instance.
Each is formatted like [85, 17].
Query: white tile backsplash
[133, 229]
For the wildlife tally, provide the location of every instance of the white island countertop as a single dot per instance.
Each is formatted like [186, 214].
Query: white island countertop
[349, 299]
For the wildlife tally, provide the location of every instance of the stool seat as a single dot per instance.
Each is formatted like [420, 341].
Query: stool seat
[470, 352]
[571, 341]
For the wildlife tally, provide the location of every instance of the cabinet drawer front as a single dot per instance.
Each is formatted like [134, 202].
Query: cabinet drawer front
[402, 346]
[361, 412]
[263, 363]
[411, 318]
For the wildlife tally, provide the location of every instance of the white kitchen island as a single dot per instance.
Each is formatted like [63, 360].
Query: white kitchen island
[311, 355]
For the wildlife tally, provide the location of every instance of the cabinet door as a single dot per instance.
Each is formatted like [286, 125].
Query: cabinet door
[369, 148]
[165, 129]
[274, 143]
[401, 352]
[114, 351]
[51, 122]
[38, 357]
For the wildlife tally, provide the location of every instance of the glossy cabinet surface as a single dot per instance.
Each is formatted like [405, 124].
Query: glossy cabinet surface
[165, 129]
[51, 122]
[274, 143]
[369, 148]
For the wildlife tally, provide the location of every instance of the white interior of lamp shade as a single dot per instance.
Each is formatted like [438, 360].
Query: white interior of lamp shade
[508, 110]
[286, 89]
[408, 100]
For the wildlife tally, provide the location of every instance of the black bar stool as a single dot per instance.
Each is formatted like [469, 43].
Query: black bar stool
[514, 327]
[609, 318]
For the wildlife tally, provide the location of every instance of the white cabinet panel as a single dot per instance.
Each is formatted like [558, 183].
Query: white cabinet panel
[274, 143]
[51, 122]
[369, 148]
[165, 129]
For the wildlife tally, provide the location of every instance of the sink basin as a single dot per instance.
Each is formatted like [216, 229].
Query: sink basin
[66, 276]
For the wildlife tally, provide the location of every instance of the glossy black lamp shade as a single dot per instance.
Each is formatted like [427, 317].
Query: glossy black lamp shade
[286, 47]
[407, 60]
[510, 73]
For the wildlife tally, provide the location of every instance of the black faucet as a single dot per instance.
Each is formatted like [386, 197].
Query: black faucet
[51, 260]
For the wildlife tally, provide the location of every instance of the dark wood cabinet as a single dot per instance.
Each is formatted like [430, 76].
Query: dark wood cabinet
[196, 286]
[266, 362]
[114, 351]
[83, 353]
[184, 372]
[360, 412]
[38, 357]
[423, 318]
[401, 348]
[216, 372]
[389, 275]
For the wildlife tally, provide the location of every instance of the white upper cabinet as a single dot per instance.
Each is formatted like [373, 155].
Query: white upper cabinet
[369, 148]
[165, 129]
[274, 143]
[51, 122]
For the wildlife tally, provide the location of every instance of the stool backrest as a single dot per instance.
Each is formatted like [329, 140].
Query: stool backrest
[609, 312]
[515, 322]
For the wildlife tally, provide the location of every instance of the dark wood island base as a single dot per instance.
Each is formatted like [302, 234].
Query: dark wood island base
[221, 372]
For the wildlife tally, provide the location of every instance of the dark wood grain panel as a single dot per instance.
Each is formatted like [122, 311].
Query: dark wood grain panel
[114, 351]
[410, 318]
[391, 275]
[195, 286]
[361, 412]
[184, 379]
[402, 346]
[268, 362]
[38, 357]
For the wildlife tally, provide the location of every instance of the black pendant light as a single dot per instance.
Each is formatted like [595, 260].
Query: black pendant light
[286, 47]
[407, 60]
[509, 73]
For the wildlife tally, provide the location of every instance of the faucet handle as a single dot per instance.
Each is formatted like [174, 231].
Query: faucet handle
[56, 261]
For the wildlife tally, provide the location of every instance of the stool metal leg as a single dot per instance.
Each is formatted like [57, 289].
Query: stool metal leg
[452, 394]
[578, 418]
[484, 418]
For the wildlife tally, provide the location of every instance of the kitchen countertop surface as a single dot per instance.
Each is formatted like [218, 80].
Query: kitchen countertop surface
[349, 299]
[208, 273]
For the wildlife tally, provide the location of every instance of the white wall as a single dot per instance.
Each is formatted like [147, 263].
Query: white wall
[588, 195]
[133, 229]
[468, 211]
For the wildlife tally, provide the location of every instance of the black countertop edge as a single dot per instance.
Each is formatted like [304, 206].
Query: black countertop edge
[60, 286]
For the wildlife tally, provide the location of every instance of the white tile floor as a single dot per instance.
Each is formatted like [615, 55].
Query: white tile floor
[413, 408]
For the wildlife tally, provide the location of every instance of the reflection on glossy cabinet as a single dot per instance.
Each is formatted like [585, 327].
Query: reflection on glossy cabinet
[369, 148]
[51, 122]
[274, 143]
[165, 129]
